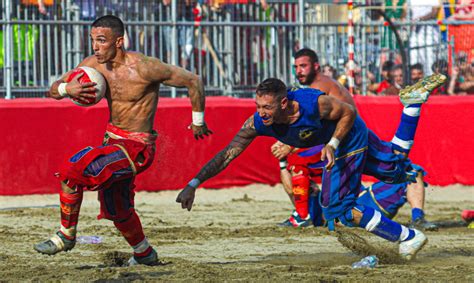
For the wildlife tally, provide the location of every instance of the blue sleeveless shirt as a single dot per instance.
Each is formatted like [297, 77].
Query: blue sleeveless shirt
[310, 130]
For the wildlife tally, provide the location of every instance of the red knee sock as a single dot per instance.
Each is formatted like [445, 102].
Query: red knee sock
[70, 207]
[132, 230]
[301, 194]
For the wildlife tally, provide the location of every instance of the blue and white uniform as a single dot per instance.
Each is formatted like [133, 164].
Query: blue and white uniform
[342, 184]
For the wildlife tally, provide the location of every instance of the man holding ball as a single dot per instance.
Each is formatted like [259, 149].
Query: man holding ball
[133, 81]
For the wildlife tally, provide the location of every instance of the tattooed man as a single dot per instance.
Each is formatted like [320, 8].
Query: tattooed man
[304, 118]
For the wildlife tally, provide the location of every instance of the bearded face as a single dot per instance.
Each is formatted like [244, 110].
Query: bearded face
[305, 70]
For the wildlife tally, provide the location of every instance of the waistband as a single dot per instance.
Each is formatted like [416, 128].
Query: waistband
[117, 133]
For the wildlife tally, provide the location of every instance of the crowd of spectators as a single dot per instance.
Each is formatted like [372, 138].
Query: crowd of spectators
[460, 79]
[422, 43]
[387, 80]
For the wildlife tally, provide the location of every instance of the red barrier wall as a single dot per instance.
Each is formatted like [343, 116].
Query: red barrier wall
[40, 133]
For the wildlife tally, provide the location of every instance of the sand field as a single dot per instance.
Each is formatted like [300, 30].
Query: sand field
[230, 235]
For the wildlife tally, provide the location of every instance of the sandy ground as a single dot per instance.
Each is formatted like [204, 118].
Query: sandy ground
[229, 235]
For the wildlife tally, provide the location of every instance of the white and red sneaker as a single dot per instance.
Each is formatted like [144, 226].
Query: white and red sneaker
[295, 220]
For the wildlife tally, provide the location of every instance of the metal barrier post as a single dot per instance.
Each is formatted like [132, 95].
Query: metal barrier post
[453, 54]
[302, 21]
[8, 51]
[350, 36]
[363, 63]
[77, 29]
[174, 41]
[66, 39]
[229, 52]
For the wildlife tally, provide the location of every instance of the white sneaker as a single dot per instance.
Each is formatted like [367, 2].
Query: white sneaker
[409, 249]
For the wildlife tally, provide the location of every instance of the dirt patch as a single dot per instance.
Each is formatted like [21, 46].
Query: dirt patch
[361, 247]
[230, 235]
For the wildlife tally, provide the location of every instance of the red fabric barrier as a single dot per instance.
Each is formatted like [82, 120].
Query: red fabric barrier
[40, 133]
[444, 138]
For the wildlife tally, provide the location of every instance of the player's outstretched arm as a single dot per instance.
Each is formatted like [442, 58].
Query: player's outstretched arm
[157, 71]
[345, 114]
[219, 162]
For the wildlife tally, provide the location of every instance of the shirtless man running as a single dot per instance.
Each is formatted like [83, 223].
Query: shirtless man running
[133, 81]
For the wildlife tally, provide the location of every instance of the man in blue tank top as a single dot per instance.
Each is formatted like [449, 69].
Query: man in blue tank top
[301, 168]
[306, 118]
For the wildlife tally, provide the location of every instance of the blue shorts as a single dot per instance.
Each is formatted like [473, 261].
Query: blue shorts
[386, 198]
[341, 186]
[385, 165]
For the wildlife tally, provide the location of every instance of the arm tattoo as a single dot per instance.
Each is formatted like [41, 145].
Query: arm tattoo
[240, 142]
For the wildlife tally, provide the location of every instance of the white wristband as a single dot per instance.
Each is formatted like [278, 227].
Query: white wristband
[283, 164]
[334, 142]
[194, 183]
[198, 118]
[62, 89]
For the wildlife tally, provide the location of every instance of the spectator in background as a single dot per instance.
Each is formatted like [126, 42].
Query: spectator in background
[186, 13]
[462, 79]
[264, 4]
[372, 84]
[358, 81]
[164, 15]
[416, 73]
[42, 6]
[25, 40]
[329, 71]
[385, 83]
[216, 5]
[396, 81]
[464, 10]
[441, 67]
[344, 78]
[395, 10]
[424, 38]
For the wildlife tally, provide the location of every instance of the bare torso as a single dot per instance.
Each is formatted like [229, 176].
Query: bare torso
[332, 88]
[132, 97]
